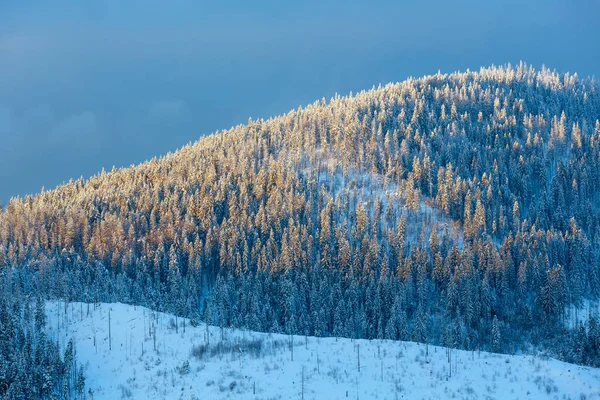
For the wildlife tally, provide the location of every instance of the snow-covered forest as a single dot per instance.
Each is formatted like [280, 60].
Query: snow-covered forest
[33, 364]
[459, 210]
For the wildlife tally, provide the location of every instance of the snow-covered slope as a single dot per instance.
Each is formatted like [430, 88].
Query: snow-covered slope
[139, 364]
[579, 315]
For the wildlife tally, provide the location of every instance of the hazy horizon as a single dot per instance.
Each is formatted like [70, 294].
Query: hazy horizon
[88, 86]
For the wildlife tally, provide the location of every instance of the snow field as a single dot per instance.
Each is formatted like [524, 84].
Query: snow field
[146, 356]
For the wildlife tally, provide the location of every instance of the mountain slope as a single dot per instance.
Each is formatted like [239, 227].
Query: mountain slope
[459, 209]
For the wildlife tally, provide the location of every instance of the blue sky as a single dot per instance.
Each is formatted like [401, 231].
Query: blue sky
[91, 84]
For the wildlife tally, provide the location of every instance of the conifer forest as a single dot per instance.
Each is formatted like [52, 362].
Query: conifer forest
[459, 210]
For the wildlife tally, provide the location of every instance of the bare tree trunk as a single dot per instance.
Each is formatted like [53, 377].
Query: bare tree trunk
[358, 356]
[109, 332]
[303, 382]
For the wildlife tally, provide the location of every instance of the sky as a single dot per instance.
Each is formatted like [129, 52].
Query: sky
[86, 85]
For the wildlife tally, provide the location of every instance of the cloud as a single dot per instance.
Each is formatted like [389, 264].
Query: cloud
[23, 126]
[168, 109]
[14, 44]
[36, 120]
[5, 121]
[37, 132]
[76, 127]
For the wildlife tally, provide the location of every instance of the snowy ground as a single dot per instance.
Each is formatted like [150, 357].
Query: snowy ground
[250, 365]
[579, 315]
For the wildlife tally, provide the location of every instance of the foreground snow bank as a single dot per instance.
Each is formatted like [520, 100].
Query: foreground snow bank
[148, 355]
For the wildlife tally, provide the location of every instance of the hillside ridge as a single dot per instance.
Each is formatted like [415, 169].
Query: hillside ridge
[457, 209]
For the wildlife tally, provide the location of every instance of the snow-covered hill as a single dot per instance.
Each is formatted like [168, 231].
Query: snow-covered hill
[148, 357]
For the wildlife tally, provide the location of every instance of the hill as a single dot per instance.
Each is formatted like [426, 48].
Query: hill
[461, 210]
